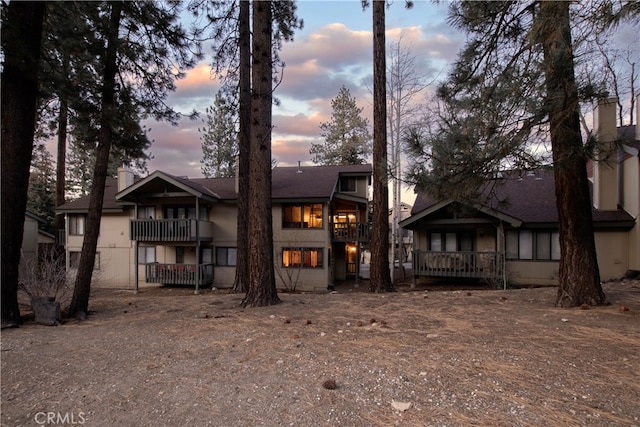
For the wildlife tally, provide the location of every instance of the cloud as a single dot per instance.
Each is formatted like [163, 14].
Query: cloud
[317, 65]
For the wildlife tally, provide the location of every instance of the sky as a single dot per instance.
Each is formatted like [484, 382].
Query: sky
[334, 48]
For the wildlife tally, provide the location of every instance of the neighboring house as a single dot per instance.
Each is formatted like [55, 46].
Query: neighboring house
[175, 230]
[513, 235]
[34, 240]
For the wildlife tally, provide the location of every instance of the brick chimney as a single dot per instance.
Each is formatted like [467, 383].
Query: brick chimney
[125, 178]
[605, 175]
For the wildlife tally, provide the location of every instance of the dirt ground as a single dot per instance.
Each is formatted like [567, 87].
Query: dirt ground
[167, 357]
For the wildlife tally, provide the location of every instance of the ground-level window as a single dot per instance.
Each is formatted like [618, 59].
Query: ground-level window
[146, 254]
[450, 241]
[74, 260]
[302, 216]
[533, 245]
[226, 256]
[76, 225]
[302, 257]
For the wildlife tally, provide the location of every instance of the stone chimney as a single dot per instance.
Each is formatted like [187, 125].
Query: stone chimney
[605, 175]
[125, 178]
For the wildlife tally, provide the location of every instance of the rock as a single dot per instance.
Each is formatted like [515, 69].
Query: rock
[400, 406]
[46, 310]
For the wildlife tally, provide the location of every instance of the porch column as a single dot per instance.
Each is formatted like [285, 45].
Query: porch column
[197, 291]
[135, 266]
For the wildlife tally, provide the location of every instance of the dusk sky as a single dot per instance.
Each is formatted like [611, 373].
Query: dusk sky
[334, 48]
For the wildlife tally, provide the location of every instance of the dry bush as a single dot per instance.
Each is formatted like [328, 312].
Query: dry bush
[45, 276]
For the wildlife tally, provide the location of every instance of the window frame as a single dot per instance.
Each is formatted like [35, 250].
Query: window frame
[74, 221]
[226, 250]
[515, 241]
[346, 183]
[304, 254]
[142, 260]
[300, 225]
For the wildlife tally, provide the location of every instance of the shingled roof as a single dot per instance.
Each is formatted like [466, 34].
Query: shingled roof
[287, 183]
[527, 197]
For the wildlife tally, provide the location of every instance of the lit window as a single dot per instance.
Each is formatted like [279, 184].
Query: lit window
[302, 216]
[302, 257]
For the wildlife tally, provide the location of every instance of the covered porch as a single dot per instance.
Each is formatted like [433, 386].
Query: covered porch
[485, 265]
[199, 275]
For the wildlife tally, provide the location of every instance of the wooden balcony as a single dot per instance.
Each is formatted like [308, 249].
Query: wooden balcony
[179, 274]
[351, 232]
[478, 265]
[171, 230]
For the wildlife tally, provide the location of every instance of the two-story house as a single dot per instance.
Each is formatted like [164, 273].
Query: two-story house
[165, 229]
[513, 236]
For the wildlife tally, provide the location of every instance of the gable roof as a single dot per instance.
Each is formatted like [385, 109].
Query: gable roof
[519, 198]
[287, 183]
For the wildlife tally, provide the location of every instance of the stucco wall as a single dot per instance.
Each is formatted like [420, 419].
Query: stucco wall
[613, 255]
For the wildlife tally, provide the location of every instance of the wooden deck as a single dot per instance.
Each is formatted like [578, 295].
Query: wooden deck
[179, 274]
[478, 265]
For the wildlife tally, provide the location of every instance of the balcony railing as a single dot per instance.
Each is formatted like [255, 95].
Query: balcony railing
[170, 230]
[351, 232]
[179, 274]
[480, 265]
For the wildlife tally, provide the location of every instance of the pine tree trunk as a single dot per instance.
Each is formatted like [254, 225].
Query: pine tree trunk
[262, 286]
[21, 39]
[61, 161]
[380, 276]
[82, 289]
[579, 274]
[244, 144]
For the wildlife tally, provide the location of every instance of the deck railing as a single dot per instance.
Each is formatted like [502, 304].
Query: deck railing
[170, 230]
[480, 265]
[179, 274]
[351, 232]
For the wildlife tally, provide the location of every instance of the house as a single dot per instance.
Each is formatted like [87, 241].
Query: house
[165, 229]
[35, 240]
[513, 235]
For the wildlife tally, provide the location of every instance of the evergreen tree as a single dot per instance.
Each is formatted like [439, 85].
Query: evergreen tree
[512, 86]
[261, 289]
[346, 137]
[40, 197]
[220, 137]
[21, 41]
[144, 49]
[380, 273]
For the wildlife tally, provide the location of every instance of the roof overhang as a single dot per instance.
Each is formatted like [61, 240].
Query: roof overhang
[413, 221]
[144, 187]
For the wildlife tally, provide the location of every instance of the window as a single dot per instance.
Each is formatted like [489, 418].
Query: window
[146, 254]
[450, 242]
[74, 260]
[530, 245]
[302, 257]
[76, 225]
[146, 212]
[179, 254]
[348, 185]
[226, 256]
[302, 216]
